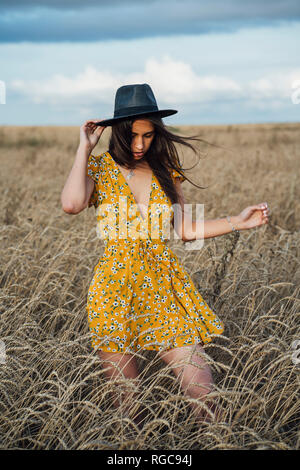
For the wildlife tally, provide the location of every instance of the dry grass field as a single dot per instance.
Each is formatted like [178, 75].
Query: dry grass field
[53, 394]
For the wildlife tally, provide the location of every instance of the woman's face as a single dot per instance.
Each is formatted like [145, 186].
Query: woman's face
[142, 135]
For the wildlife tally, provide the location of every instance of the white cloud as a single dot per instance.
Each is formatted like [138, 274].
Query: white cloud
[88, 85]
[277, 85]
[173, 82]
[176, 82]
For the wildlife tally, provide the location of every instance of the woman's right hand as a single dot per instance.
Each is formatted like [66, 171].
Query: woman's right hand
[90, 133]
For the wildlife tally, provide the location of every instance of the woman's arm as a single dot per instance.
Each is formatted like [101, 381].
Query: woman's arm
[79, 187]
[74, 193]
[187, 230]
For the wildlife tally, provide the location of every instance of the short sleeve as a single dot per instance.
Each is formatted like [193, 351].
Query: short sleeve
[93, 172]
[175, 174]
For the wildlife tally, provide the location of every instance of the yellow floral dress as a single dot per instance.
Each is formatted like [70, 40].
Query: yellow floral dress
[140, 296]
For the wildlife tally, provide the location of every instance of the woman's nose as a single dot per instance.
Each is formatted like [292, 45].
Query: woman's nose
[139, 144]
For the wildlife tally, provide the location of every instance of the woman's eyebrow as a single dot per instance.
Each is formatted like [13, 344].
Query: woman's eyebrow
[150, 132]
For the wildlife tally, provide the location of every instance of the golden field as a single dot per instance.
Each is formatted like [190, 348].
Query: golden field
[53, 394]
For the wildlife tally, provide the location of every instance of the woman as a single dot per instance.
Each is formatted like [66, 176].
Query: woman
[140, 296]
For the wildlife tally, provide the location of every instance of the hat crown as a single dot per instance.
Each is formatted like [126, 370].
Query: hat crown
[129, 96]
[135, 101]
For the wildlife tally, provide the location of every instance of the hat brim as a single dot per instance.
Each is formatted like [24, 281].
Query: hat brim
[162, 113]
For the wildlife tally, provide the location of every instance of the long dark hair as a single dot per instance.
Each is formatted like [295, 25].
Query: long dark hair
[162, 155]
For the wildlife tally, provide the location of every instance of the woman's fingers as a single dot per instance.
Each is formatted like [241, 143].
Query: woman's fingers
[90, 122]
[265, 213]
[91, 126]
[264, 207]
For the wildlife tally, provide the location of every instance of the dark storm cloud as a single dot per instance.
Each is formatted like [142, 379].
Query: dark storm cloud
[54, 20]
[64, 5]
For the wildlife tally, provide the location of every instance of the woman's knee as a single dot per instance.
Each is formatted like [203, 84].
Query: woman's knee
[122, 370]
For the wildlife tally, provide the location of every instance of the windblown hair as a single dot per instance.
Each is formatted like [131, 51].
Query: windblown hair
[162, 155]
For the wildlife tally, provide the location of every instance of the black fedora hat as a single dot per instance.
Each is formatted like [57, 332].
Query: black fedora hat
[135, 100]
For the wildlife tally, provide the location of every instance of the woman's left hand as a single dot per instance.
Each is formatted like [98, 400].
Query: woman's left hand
[253, 216]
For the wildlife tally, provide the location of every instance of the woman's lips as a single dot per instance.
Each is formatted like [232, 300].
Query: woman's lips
[138, 153]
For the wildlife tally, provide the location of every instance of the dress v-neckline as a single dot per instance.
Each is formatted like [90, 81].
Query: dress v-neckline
[130, 191]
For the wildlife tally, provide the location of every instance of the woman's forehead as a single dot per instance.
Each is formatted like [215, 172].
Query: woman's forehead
[142, 125]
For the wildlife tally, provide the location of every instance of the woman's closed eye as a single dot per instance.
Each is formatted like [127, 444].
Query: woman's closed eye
[148, 136]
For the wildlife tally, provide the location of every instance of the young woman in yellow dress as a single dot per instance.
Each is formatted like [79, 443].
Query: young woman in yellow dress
[141, 297]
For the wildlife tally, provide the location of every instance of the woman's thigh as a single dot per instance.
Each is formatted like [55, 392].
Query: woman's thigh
[183, 355]
[119, 364]
[188, 363]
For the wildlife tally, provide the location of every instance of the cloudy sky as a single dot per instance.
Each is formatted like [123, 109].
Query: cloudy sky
[217, 62]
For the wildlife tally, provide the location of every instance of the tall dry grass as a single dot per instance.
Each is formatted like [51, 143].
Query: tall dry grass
[53, 394]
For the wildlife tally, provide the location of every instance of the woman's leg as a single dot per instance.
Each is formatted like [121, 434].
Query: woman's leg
[195, 379]
[118, 366]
